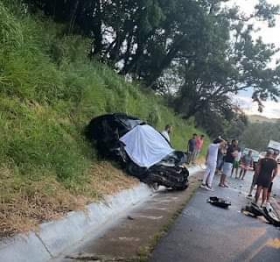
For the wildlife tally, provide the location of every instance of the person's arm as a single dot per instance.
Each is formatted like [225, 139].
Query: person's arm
[258, 167]
[207, 154]
[275, 171]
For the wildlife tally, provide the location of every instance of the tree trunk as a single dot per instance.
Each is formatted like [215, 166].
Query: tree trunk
[166, 61]
[97, 45]
[73, 16]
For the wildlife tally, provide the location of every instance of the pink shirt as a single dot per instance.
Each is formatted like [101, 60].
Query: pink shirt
[199, 143]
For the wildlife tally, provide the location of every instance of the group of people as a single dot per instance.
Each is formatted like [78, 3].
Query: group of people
[194, 147]
[226, 158]
[220, 156]
[245, 163]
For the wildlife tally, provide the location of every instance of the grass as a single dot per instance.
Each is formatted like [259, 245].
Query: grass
[49, 91]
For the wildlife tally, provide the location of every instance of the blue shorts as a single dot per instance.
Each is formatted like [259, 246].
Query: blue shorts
[227, 167]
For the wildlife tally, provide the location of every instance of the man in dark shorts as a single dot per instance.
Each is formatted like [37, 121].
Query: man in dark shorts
[254, 180]
[267, 170]
[232, 152]
[275, 156]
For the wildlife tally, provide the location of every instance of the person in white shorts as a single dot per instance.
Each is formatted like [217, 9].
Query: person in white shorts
[231, 154]
[211, 163]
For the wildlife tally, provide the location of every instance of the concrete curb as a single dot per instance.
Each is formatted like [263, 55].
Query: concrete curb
[56, 236]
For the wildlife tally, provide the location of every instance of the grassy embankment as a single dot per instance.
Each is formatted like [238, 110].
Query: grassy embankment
[49, 90]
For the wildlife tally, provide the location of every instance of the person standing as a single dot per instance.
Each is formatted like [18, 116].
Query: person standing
[275, 156]
[232, 152]
[267, 170]
[191, 149]
[236, 164]
[246, 163]
[254, 180]
[220, 159]
[198, 146]
[166, 132]
[211, 163]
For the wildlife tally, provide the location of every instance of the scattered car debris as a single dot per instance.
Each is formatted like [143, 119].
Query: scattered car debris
[140, 149]
[96, 258]
[267, 212]
[220, 202]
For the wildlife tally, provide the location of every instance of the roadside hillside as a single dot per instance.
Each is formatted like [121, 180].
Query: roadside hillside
[49, 92]
[261, 119]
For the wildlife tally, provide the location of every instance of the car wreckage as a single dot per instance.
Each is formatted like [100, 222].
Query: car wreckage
[140, 149]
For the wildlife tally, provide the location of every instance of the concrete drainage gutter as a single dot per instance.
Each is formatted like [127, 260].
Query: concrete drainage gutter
[56, 236]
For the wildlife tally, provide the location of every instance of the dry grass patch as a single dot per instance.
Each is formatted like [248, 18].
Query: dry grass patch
[105, 179]
[25, 203]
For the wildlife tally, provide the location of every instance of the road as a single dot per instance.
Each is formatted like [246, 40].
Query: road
[207, 233]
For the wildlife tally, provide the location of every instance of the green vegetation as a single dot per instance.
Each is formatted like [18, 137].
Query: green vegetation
[49, 90]
[257, 135]
[196, 53]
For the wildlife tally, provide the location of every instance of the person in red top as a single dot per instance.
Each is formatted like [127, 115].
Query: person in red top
[198, 146]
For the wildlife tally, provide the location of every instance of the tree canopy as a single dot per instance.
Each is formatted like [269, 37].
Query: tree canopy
[199, 52]
[257, 135]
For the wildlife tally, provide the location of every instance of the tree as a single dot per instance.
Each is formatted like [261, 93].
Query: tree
[257, 135]
[207, 47]
[224, 66]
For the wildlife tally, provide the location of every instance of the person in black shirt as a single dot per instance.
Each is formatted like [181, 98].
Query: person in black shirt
[191, 149]
[275, 156]
[267, 170]
[232, 152]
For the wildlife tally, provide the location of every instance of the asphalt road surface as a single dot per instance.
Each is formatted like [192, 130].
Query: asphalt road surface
[208, 233]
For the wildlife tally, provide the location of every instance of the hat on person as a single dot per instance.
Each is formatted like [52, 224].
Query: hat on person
[269, 151]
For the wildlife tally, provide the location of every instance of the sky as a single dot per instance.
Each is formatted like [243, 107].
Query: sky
[269, 35]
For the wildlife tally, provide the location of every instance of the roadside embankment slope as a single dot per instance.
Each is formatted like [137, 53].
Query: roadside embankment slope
[49, 90]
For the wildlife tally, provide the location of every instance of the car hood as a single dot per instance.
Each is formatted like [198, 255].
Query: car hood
[145, 146]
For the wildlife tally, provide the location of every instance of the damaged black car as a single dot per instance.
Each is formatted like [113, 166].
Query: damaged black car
[140, 149]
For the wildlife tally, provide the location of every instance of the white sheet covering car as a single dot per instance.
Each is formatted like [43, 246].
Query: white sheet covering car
[145, 146]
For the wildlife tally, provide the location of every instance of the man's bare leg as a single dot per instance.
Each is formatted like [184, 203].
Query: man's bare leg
[257, 195]
[264, 195]
[222, 180]
[244, 173]
[240, 173]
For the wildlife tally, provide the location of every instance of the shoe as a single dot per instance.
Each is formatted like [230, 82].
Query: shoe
[250, 195]
[220, 185]
[225, 185]
[203, 186]
[209, 188]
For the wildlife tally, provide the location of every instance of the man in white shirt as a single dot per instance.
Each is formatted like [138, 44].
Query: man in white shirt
[166, 132]
[211, 163]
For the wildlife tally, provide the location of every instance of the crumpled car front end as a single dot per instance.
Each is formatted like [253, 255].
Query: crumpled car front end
[171, 171]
